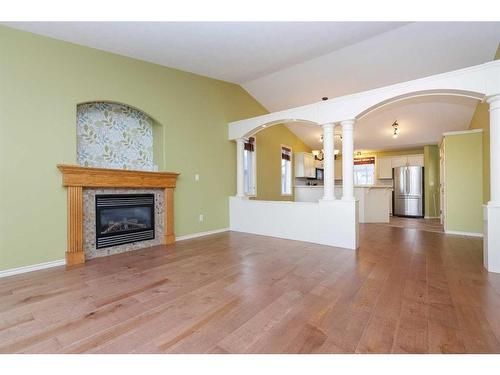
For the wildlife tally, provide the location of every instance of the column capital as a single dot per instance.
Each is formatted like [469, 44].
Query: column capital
[328, 126]
[241, 140]
[347, 124]
[493, 101]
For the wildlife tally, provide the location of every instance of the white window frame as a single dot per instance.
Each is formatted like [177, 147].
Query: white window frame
[290, 176]
[252, 193]
[356, 182]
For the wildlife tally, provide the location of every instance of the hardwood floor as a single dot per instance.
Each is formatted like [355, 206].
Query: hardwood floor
[431, 225]
[403, 291]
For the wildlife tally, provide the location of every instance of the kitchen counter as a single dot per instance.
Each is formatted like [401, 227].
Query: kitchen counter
[374, 201]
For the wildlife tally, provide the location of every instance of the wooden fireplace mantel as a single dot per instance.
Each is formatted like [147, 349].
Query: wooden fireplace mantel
[75, 178]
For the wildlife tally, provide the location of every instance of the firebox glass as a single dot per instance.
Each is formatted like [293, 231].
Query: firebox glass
[124, 219]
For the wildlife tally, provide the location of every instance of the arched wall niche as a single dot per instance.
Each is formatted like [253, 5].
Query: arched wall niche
[112, 134]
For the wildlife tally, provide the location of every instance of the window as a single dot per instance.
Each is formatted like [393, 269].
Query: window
[249, 167]
[364, 171]
[286, 170]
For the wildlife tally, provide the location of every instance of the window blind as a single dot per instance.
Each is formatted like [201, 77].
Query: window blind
[286, 153]
[361, 161]
[249, 145]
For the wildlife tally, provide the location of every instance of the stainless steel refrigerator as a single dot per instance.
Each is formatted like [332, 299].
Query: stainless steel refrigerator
[408, 191]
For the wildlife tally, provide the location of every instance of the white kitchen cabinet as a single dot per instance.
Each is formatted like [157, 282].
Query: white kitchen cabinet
[399, 161]
[304, 165]
[408, 160]
[385, 164]
[384, 167]
[416, 160]
[338, 170]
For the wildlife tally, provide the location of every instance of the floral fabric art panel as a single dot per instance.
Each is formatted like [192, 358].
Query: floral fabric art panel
[111, 135]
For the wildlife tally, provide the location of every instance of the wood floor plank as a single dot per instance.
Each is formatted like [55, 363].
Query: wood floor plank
[409, 288]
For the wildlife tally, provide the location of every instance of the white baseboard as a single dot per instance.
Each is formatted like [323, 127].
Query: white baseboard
[431, 217]
[62, 262]
[458, 233]
[34, 267]
[200, 234]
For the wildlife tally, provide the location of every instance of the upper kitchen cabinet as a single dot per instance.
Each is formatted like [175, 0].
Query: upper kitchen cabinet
[304, 165]
[416, 160]
[384, 166]
[399, 161]
[387, 163]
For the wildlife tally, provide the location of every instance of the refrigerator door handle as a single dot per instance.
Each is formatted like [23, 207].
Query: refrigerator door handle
[407, 180]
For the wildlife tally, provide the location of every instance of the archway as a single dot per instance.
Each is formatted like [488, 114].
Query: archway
[382, 101]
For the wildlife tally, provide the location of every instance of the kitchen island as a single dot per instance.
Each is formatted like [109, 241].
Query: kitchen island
[374, 201]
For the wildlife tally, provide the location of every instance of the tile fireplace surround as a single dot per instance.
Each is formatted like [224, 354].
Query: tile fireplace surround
[76, 178]
[89, 222]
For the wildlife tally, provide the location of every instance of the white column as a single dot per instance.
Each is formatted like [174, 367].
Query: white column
[347, 159]
[240, 148]
[491, 244]
[328, 161]
[494, 102]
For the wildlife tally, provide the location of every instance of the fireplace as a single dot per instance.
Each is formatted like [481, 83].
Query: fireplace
[124, 218]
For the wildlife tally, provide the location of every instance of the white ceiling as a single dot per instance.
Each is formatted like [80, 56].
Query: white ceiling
[287, 64]
[421, 120]
[409, 52]
[231, 51]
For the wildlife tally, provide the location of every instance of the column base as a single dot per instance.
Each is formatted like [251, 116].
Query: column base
[75, 258]
[169, 239]
[338, 223]
[491, 243]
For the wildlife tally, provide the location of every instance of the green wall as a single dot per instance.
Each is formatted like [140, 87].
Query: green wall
[42, 80]
[431, 180]
[268, 156]
[481, 120]
[464, 182]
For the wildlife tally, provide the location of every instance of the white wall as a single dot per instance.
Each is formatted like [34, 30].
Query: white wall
[333, 223]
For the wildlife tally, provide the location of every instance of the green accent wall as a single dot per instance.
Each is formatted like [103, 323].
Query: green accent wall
[431, 180]
[268, 154]
[463, 157]
[42, 80]
[481, 120]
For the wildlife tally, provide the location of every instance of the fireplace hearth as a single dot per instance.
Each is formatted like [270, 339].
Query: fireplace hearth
[124, 218]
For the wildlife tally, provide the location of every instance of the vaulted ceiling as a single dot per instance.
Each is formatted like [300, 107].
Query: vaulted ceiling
[287, 64]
